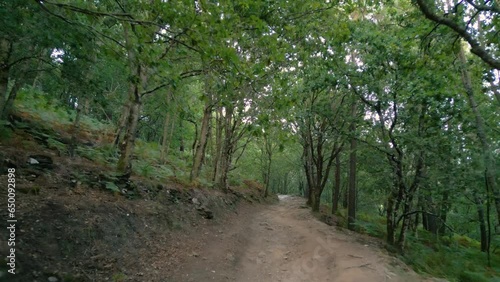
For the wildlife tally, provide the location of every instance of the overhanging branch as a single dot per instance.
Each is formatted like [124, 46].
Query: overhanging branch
[476, 47]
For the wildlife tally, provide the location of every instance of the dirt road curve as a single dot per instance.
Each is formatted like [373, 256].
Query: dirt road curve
[284, 242]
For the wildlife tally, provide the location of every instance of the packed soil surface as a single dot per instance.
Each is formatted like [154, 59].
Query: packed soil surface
[285, 242]
[72, 228]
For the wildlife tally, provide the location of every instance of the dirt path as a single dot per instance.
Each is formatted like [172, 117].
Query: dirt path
[284, 242]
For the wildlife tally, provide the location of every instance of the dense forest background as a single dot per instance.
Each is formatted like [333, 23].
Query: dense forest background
[384, 111]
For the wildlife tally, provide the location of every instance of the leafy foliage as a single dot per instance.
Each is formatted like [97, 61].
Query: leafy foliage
[215, 93]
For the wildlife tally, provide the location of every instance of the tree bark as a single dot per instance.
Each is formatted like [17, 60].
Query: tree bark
[201, 144]
[336, 186]
[227, 149]
[5, 53]
[164, 139]
[269, 158]
[351, 207]
[4, 82]
[9, 104]
[133, 106]
[122, 123]
[75, 130]
[218, 142]
[482, 223]
[127, 145]
[391, 219]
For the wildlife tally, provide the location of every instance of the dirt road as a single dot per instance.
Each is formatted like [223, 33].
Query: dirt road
[284, 242]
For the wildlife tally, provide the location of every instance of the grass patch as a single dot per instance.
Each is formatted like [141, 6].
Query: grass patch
[374, 226]
[456, 258]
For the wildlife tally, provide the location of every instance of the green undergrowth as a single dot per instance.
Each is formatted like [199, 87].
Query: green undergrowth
[36, 105]
[456, 258]
[51, 124]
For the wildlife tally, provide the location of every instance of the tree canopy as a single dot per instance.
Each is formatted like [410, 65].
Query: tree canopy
[390, 107]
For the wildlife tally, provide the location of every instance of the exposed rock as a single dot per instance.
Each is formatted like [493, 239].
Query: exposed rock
[206, 213]
[41, 161]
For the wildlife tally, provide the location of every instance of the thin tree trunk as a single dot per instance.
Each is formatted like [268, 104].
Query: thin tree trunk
[406, 222]
[227, 149]
[444, 209]
[9, 104]
[351, 207]
[308, 169]
[203, 138]
[218, 142]
[126, 147]
[4, 83]
[170, 135]
[391, 218]
[164, 140]
[5, 52]
[482, 224]
[269, 155]
[181, 141]
[122, 123]
[336, 186]
[489, 162]
[430, 220]
[345, 197]
[75, 130]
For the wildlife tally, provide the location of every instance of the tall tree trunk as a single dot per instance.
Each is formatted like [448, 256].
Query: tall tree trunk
[122, 123]
[133, 105]
[269, 157]
[351, 207]
[285, 183]
[164, 139]
[345, 195]
[4, 84]
[5, 53]
[75, 130]
[482, 223]
[407, 204]
[9, 104]
[444, 209]
[429, 215]
[201, 145]
[227, 149]
[489, 161]
[316, 199]
[309, 171]
[218, 141]
[170, 134]
[336, 186]
[127, 145]
[181, 139]
[391, 218]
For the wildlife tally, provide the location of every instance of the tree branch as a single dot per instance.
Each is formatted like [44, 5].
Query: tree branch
[476, 47]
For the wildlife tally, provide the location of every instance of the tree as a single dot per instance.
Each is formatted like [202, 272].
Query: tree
[454, 18]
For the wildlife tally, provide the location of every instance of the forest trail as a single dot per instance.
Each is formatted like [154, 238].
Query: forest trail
[284, 242]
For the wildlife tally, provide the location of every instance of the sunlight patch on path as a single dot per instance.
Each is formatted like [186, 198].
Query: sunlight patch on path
[283, 197]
